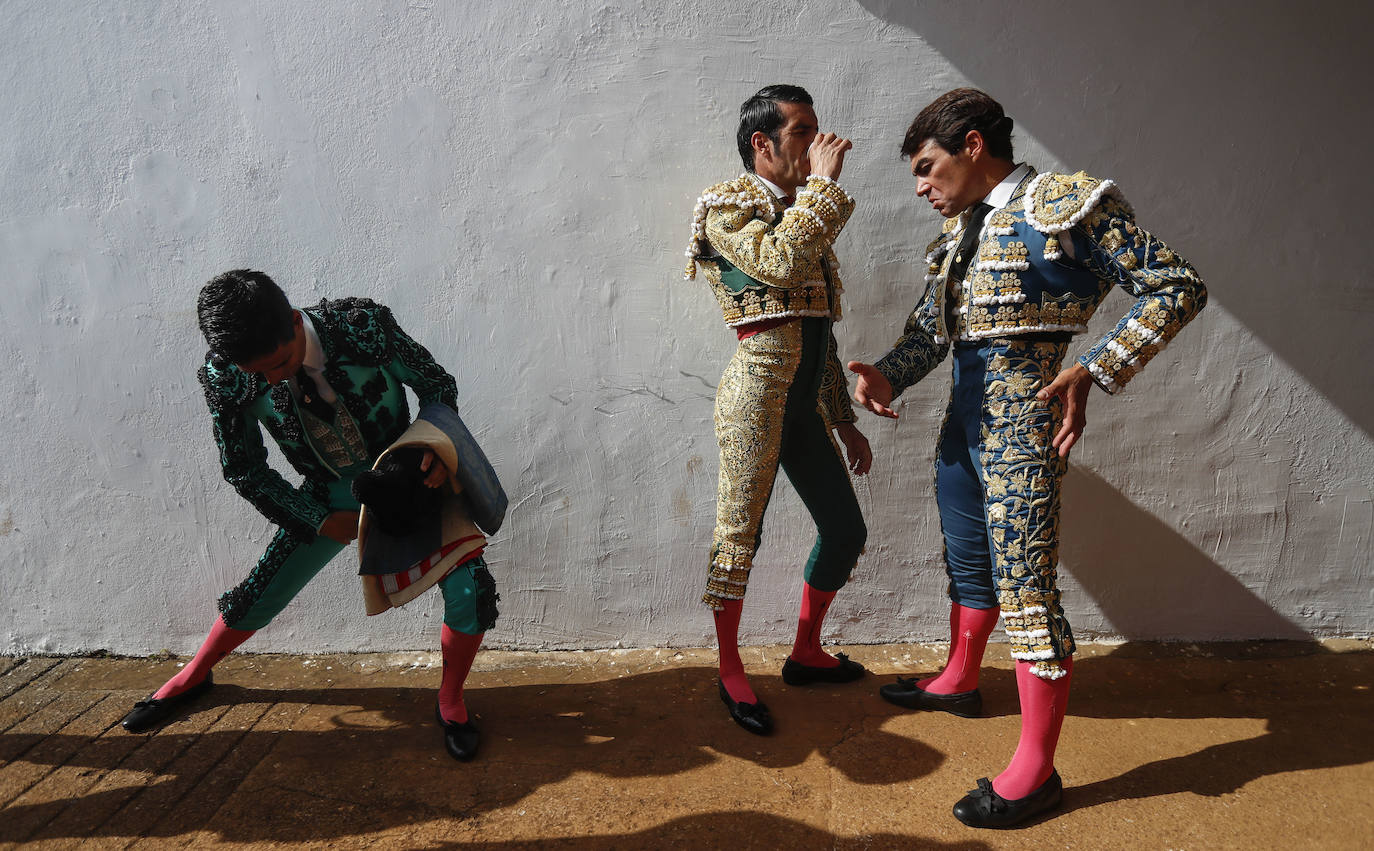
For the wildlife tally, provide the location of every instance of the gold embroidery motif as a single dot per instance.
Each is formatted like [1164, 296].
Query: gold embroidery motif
[1022, 473]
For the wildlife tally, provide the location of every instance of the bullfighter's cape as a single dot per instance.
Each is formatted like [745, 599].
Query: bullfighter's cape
[397, 569]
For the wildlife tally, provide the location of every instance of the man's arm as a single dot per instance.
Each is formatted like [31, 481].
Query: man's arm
[243, 459]
[785, 254]
[834, 390]
[1168, 291]
[413, 365]
[912, 358]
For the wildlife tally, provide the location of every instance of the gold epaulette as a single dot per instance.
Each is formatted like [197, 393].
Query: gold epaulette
[1057, 202]
[743, 192]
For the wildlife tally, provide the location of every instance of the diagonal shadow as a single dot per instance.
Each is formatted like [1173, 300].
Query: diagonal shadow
[1149, 581]
[735, 830]
[356, 760]
[1208, 118]
[1317, 709]
[363, 760]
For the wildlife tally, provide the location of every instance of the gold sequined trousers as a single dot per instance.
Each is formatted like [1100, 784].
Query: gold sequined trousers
[768, 416]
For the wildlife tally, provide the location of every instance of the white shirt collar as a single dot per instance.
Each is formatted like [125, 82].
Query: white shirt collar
[772, 187]
[1001, 193]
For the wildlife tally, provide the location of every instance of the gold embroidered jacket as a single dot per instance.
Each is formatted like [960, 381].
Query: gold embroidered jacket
[1022, 282]
[767, 261]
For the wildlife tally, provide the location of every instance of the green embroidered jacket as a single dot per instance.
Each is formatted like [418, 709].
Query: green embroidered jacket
[368, 359]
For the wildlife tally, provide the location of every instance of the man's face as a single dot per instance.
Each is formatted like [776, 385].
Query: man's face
[948, 181]
[285, 360]
[786, 163]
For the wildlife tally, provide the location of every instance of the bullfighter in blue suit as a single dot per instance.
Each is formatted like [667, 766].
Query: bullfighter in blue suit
[1023, 261]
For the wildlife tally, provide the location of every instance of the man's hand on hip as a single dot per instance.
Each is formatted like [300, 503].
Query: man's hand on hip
[1071, 385]
[872, 390]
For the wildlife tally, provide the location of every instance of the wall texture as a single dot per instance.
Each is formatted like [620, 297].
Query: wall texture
[518, 187]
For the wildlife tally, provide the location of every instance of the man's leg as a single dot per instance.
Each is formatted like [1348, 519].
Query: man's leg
[219, 643]
[969, 630]
[968, 559]
[818, 472]
[1043, 703]
[469, 611]
[1022, 475]
[959, 496]
[749, 411]
[282, 571]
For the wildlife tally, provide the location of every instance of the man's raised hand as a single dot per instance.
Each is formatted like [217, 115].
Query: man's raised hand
[827, 154]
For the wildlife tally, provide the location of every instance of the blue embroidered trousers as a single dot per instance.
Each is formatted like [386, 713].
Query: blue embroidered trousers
[997, 482]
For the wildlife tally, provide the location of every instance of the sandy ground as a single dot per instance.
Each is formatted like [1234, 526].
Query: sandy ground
[1166, 746]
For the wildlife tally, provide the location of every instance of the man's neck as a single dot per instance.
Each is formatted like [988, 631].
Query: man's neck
[781, 185]
[995, 172]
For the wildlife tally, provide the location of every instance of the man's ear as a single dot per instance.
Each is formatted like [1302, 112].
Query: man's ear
[975, 145]
[761, 144]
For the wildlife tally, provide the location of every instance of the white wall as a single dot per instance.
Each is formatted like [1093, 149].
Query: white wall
[518, 185]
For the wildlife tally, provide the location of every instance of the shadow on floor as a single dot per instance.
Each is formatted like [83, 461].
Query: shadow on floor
[657, 724]
[339, 762]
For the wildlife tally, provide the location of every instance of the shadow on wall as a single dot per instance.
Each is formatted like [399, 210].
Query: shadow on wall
[1149, 581]
[1212, 119]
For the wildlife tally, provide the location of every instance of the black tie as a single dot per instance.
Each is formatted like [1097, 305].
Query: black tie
[963, 256]
[310, 397]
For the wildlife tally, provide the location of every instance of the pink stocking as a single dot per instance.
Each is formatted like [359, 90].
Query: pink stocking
[968, 637]
[727, 639]
[1042, 714]
[459, 649]
[219, 643]
[806, 650]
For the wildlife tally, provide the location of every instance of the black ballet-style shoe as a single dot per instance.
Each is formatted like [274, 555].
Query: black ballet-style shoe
[796, 674]
[905, 693]
[983, 807]
[460, 740]
[153, 712]
[753, 717]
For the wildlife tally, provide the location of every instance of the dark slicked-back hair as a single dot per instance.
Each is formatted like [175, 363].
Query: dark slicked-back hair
[760, 114]
[951, 116]
[244, 315]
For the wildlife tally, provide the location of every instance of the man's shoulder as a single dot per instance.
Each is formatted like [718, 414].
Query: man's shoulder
[345, 312]
[745, 193]
[226, 386]
[359, 327]
[1055, 202]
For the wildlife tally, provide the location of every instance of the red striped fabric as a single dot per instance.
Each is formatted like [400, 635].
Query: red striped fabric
[394, 582]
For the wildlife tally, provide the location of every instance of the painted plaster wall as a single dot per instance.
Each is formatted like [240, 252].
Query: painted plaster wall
[517, 181]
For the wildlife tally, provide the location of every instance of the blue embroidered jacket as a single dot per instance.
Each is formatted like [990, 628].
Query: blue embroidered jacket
[368, 359]
[1022, 282]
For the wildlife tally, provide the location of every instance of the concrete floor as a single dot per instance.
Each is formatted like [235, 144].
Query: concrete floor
[1217, 746]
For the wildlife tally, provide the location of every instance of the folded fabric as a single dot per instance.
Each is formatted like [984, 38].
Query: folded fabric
[396, 569]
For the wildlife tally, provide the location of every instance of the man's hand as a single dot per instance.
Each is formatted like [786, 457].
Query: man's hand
[438, 473]
[826, 154]
[872, 390]
[856, 446]
[342, 526]
[1072, 387]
